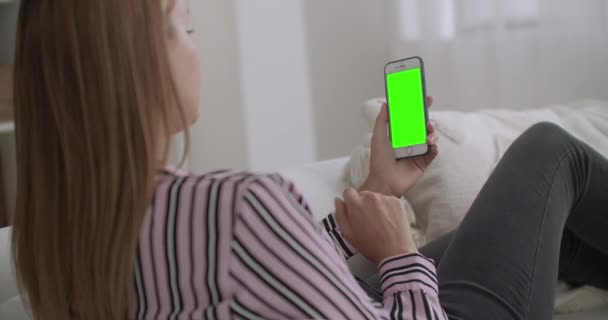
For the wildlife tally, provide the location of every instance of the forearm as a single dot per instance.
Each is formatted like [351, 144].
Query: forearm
[295, 272]
[332, 230]
[410, 288]
[374, 185]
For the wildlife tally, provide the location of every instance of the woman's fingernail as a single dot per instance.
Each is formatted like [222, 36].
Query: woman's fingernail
[434, 138]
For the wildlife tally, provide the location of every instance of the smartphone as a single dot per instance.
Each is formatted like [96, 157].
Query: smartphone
[406, 100]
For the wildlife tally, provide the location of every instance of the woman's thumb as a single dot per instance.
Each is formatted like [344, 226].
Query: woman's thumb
[381, 121]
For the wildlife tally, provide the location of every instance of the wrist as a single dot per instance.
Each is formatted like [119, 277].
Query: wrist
[418, 266]
[374, 185]
[397, 253]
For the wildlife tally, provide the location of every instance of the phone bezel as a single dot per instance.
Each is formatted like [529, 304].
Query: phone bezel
[398, 66]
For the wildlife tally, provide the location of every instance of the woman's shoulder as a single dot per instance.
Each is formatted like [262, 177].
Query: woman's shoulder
[215, 198]
[221, 181]
[175, 173]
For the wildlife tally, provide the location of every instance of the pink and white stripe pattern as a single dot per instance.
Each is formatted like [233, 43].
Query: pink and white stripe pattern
[235, 245]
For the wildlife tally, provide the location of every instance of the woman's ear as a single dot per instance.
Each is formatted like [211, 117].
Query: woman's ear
[6, 93]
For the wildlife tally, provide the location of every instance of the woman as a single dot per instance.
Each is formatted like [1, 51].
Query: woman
[102, 231]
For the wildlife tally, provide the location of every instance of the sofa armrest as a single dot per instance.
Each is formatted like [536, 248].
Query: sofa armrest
[319, 183]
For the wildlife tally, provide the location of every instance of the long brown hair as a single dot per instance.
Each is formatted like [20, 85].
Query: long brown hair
[92, 91]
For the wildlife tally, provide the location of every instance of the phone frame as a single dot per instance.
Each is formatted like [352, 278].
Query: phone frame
[398, 66]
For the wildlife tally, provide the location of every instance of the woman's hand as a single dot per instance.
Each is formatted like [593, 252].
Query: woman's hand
[388, 175]
[374, 224]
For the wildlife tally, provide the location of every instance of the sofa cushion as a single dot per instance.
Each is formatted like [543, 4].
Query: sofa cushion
[472, 143]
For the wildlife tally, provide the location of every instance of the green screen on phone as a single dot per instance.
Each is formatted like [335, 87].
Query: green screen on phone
[406, 108]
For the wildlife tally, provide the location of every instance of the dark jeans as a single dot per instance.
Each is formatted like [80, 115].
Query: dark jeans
[542, 214]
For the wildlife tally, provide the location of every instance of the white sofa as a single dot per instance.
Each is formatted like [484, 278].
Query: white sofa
[319, 182]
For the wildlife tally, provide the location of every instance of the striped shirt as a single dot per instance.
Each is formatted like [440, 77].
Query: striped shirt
[235, 245]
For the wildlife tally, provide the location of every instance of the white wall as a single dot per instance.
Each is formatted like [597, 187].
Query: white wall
[348, 48]
[218, 139]
[303, 68]
[295, 73]
[276, 83]
[506, 53]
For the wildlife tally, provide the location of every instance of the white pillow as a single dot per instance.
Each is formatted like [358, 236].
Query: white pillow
[470, 145]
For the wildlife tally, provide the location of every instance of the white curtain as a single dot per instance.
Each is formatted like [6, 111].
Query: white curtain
[505, 53]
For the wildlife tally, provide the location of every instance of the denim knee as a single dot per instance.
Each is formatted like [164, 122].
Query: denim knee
[546, 136]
